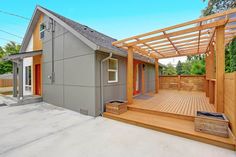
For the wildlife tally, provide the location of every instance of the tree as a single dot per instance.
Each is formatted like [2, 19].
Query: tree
[169, 70]
[9, 48]
[186, 68]
[198, 67]
[215, 6]
[230, 56]
[179, 68]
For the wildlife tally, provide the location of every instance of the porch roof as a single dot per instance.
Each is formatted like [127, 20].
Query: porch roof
[22, 55]
[189, 38]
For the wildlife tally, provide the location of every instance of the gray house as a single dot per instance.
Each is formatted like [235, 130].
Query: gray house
[73, 66]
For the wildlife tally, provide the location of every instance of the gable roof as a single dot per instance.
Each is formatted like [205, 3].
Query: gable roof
[94, 39]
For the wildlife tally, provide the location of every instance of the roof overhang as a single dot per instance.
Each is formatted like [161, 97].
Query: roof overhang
[19, 56]
[189, 38]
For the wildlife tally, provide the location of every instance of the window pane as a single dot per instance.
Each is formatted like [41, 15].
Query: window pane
[28, 75]
[42, 35]
[112, 76]
[112, 64]
[42, 27]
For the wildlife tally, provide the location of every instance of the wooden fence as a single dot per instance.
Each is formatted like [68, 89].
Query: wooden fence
[183, 82]
[6, 83]
[230, 99]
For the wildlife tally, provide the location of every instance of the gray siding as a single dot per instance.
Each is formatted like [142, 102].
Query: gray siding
[149, 77]
[112, 91]
[117, 91]
[77, 74]
[74, 86]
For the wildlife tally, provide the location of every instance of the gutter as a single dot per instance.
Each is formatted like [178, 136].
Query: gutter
[101, 82]
[52, 36]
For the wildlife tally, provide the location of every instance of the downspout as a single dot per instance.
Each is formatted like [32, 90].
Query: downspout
[53, 69]
[101, 82]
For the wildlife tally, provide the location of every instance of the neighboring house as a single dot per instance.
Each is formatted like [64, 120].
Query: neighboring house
[62, 63]
[7, 76]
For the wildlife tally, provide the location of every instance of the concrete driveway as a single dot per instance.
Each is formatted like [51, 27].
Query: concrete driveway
[44, 130]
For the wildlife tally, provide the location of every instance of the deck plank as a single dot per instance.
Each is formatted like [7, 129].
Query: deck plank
[173, 101]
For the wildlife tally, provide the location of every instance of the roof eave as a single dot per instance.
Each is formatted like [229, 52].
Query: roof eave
[123, 54]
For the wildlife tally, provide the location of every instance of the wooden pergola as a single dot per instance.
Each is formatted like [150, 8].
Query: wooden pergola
[207, 35]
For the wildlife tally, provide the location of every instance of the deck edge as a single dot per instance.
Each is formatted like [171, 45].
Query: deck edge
[230, 146]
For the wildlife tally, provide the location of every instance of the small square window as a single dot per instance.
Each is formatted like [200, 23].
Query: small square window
[112, 70]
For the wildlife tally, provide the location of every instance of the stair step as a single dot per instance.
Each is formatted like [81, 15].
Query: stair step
[171, 125]
[166, 114]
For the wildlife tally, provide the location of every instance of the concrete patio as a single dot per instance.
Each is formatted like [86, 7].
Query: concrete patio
[42, 129]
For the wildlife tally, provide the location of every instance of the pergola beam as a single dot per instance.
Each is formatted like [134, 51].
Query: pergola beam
[180, 43]
[211, 39]
[181, 32]
[183, 53]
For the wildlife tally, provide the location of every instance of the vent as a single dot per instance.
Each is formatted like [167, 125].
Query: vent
[85, 27]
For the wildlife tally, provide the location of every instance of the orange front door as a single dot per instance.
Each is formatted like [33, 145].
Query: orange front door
[37, 79]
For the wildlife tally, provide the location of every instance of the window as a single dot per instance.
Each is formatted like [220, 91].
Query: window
[112, 70]
[41, 30]
[28, 78]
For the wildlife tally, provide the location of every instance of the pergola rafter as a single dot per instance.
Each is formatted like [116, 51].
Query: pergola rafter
[168, 38]
[199, 38]
[189, 38]
[151, 48]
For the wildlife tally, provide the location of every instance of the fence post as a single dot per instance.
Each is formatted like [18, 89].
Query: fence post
[179, 82]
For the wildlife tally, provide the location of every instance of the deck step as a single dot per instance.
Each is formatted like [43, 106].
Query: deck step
[160, 113]
[171, 125]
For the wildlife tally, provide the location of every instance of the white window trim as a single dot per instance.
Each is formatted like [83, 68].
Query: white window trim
[112, 70]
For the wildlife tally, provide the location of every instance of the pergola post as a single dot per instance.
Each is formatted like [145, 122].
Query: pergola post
[129, 87]
[211, 74]
[207, 76]
[143, 79]
[211, 61]
[156, 76]
[220, 67]
[20, 66]
[14, 79]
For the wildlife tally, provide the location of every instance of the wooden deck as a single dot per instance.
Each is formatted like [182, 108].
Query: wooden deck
[172, 112]
[173, 101]
[172, 125]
